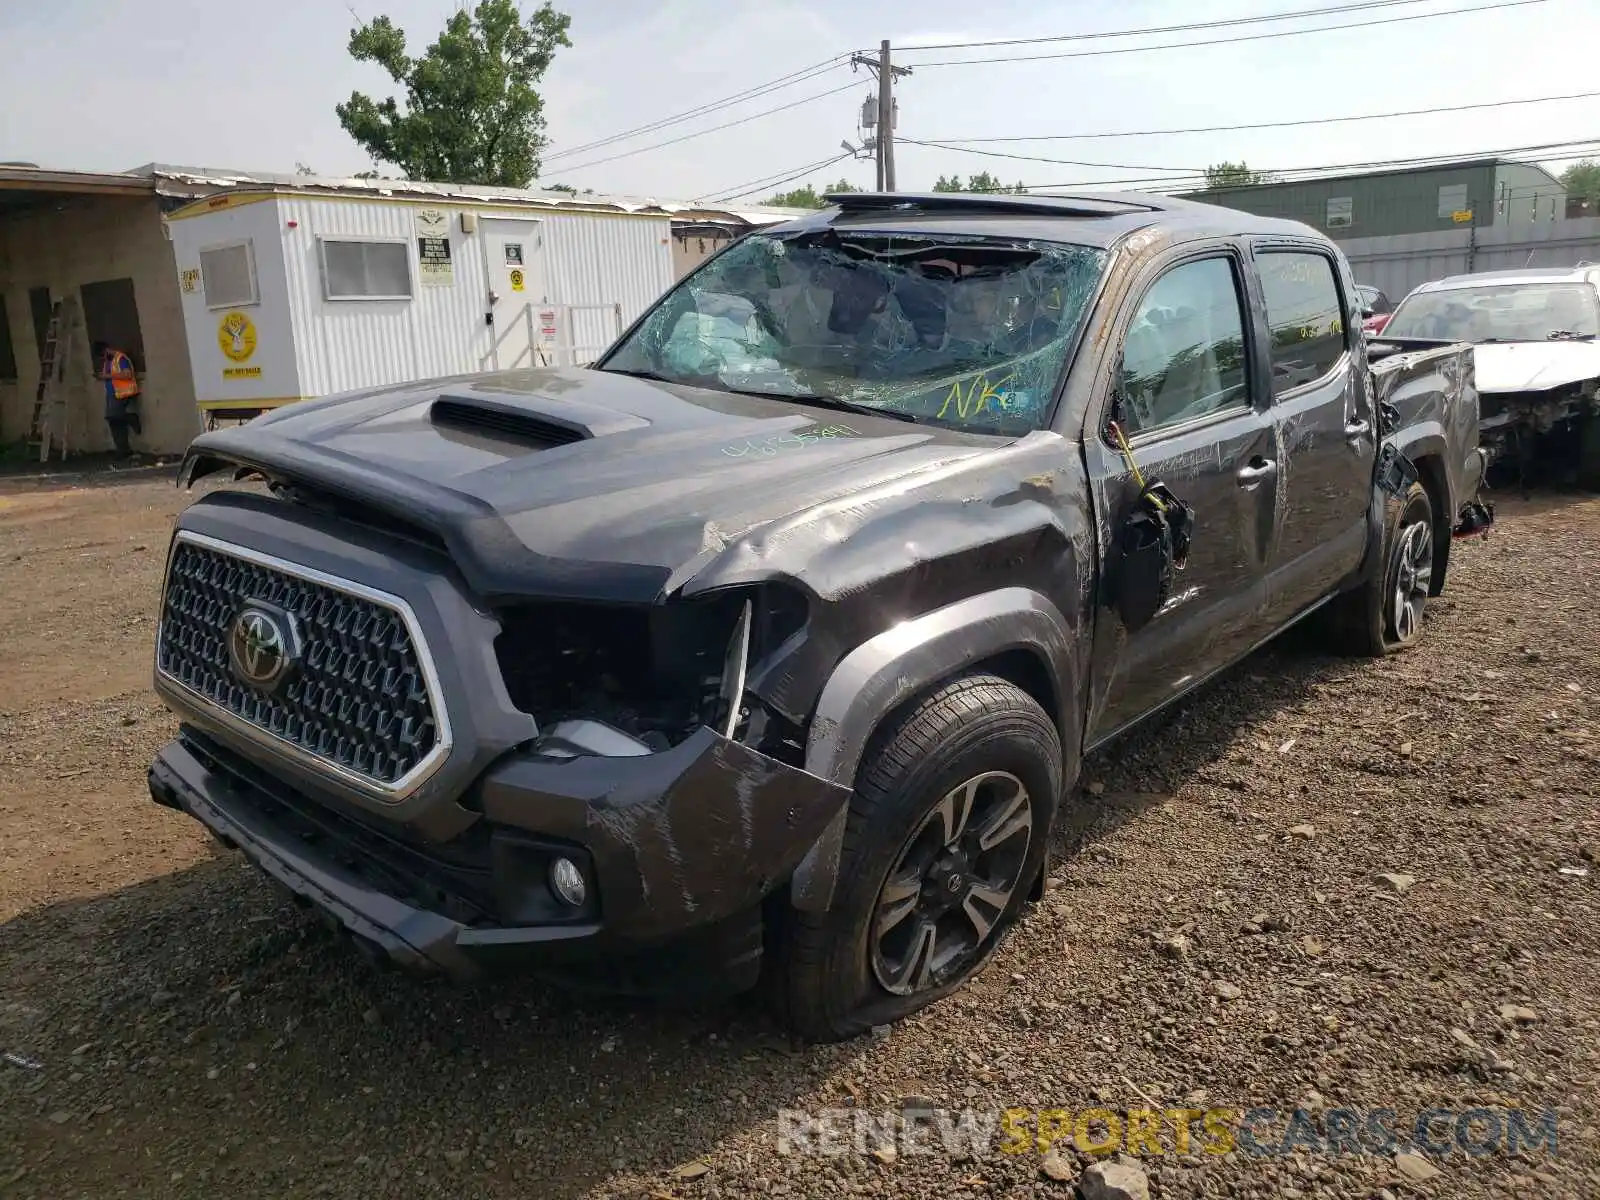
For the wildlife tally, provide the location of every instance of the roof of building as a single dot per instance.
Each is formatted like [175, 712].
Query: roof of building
[179, 180]
[22, 183]
[1460, 164]
[26, 184]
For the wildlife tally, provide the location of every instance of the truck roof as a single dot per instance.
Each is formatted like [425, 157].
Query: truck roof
[1086, 218]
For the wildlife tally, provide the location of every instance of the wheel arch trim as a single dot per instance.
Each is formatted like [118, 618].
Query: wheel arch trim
[881, 674]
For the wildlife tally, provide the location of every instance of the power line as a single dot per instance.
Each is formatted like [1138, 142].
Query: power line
[745, 120]
[780, 182]
[1383, 116]
[768, 180]
[1582, 148]
[710, 106]
[1149, 29]
[1171, 185]
[1253, 37]
[1055, 161]
[1279, 171]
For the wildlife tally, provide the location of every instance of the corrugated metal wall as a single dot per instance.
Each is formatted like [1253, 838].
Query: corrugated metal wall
[347, 344]
[1381, 204]
[1399, 263]
[604, 261]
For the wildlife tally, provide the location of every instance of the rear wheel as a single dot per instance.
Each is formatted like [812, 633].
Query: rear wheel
[1385, 614]
[947, 833]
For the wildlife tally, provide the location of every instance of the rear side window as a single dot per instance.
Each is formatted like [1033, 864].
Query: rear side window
[1304, 314]
[1183, 357]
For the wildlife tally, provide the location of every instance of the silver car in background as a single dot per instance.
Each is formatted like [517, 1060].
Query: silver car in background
[1538, 359]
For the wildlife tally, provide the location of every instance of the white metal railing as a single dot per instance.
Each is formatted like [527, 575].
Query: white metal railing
[562, 344]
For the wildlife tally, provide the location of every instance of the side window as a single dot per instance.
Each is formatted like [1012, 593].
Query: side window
[1304, 314]
[1183, 356]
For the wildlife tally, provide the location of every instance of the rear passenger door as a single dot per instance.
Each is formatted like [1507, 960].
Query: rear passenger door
[1322, 405]
[1193, 404]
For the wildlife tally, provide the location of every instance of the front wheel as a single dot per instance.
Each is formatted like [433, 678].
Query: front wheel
[947, 833]
[1385, 614]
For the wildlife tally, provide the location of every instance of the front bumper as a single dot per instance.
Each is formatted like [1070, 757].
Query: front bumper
[672, 844]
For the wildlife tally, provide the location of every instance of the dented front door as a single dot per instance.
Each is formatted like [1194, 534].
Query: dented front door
[1193, 402]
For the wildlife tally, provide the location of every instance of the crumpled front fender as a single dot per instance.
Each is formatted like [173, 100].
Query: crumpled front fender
[681, 838]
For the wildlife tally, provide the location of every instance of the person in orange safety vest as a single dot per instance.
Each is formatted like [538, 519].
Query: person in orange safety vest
[122, 394]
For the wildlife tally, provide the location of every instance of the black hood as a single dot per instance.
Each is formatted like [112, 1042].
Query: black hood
[582, 483]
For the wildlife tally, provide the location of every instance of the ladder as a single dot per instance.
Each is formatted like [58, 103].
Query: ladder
[49, 422]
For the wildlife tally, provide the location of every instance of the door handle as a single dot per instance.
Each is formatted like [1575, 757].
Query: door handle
[1356, 430]
[1256, 470]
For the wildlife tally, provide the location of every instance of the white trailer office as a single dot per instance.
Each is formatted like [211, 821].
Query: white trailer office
[293, 290]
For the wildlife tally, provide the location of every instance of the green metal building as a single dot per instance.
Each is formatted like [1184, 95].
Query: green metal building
[1487, 191]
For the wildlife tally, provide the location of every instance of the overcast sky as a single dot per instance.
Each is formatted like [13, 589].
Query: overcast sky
[110, 84]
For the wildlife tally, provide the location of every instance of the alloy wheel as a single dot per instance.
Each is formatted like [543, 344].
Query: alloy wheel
[952, 883]
[1413, 576]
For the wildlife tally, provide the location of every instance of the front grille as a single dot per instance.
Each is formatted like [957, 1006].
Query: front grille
[358, 699]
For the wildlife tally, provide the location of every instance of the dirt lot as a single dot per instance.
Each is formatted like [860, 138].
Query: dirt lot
[198, 1036]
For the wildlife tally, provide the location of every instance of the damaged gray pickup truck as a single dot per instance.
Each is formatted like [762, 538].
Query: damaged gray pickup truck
[773, 641]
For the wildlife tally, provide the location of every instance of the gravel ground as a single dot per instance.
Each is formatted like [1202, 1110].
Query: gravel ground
[1215, 936]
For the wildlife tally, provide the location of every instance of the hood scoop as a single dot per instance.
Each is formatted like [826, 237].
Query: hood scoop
[542, 421]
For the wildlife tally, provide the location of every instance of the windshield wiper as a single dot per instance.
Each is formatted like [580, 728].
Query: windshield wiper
[852, 406]
[1568, 335]
[833, 402]
[638, 374]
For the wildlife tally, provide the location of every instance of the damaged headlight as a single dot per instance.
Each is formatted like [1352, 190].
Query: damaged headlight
[616, 680]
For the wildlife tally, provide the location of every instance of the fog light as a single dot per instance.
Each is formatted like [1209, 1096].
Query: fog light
[566, 881]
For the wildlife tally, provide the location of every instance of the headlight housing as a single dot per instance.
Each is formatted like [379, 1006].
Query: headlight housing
[654, 672]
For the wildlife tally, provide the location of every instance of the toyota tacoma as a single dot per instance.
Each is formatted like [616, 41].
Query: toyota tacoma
[772, 642]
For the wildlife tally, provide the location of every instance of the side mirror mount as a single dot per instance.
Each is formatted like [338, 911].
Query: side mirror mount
[1117, 410]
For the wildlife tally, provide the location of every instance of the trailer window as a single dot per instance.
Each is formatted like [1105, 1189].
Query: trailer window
[366, 270]
[228, 275]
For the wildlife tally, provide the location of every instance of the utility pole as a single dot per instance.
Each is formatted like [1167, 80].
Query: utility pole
[883, 141]
[885, 119]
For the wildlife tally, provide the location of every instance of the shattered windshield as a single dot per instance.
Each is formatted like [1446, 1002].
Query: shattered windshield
[1510, 312]
[961, 331]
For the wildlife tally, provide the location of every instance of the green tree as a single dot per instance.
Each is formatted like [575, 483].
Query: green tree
[471, 113]
[981, 182]
[808, 196]
[1582, 180]
[1230, 174]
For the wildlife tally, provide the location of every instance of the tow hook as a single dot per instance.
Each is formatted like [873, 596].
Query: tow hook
[1475, 519]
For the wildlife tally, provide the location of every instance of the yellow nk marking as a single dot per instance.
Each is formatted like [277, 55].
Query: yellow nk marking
[977, 396]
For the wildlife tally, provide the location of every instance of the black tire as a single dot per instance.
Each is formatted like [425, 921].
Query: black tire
[977, 735]
[1367, 620]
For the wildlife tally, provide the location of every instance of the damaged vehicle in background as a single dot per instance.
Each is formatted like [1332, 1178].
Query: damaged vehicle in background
[1375, 308]
[775, 641]
[1538, 362]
